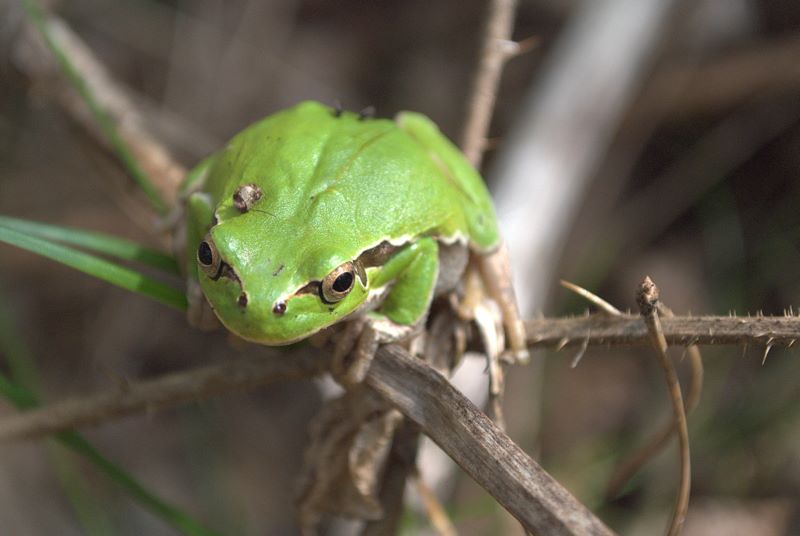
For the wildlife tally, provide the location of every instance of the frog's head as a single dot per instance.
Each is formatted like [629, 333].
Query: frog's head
[270, 283]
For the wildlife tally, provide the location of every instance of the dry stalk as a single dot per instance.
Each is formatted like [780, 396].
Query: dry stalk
[168, 391]
[647, 298]
[112, 99]
[631, 465]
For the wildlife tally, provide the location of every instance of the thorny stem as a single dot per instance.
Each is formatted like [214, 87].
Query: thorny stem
[494, 54]
[627, 330]
[647, 299]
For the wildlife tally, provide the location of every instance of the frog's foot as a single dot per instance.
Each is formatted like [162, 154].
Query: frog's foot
[357, 343]
[495, 278]
[199, 314]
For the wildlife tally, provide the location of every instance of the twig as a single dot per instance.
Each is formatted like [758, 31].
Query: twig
[473, 441]
[497, 48]
[102, 106]
[647, 298]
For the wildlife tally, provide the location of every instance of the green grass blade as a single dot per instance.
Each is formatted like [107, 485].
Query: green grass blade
[97, 267]
[166, 512]
[23, 397]
[98, 242]
[36, 15]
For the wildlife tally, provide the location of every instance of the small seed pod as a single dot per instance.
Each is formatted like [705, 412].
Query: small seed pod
[246, 196]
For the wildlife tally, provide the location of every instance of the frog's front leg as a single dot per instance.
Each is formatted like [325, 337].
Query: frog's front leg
[410, 276]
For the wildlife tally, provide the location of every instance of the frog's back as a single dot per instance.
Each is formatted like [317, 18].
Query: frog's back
[355, 181]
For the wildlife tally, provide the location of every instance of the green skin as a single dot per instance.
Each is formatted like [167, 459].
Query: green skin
[333, 186]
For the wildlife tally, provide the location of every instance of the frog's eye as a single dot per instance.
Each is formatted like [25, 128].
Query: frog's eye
[338, 283]
[208, 257]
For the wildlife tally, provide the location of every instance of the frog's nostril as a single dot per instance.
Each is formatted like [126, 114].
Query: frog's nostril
[242, 300]
[279, 308]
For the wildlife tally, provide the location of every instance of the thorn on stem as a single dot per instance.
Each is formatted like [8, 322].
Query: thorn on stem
[767, 348]
[581, 351]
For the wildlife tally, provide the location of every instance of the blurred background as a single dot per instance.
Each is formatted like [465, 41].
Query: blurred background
[688, 173]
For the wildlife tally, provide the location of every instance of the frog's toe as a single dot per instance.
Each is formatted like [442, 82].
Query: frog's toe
[516, 357]
[355, 346]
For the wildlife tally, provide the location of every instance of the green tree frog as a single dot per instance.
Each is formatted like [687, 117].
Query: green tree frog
[313, 216]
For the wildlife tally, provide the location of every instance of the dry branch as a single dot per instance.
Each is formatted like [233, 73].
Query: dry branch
[473, 441]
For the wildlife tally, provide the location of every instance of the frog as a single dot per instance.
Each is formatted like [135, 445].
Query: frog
[316, 217]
